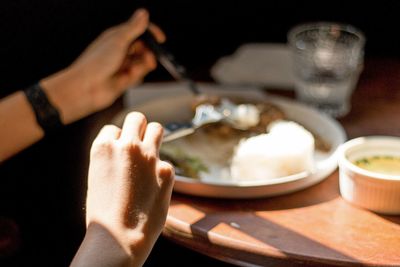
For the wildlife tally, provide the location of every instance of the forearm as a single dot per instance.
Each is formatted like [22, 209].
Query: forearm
[18, 126]
[94, 81]
[68, 91]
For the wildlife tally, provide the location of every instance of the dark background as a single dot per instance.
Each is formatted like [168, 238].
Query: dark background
[40, 37]
[42, 189]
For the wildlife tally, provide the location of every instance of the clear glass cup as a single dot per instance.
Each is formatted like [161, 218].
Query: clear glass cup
[327, 61]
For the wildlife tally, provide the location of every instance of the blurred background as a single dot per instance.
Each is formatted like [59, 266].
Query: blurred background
[38, 38]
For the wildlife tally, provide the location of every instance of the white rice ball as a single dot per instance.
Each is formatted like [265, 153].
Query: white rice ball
[287, 149]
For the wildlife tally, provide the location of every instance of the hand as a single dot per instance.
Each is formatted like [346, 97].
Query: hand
[112, 63]
[129, 187]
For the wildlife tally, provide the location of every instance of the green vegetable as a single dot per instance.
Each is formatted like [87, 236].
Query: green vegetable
[187, 165]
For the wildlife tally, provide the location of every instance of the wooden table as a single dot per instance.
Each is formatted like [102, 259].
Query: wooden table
[311, 227]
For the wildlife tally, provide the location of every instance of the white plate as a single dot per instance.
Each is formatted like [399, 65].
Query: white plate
[174, 105]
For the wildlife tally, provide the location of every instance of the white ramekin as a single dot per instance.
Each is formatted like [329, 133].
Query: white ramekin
[374, 191]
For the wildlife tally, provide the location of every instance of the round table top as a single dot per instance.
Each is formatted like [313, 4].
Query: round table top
[312, 226]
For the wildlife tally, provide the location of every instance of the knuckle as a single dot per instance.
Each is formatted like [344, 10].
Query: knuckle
[125, 145]
[102, 148]
[129, 147]
[152, 159]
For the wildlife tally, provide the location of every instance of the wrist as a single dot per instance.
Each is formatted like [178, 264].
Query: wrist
[66, 91]
[47, 116]
[101, 248]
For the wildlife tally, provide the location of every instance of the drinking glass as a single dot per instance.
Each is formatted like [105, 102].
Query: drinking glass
[327, 61]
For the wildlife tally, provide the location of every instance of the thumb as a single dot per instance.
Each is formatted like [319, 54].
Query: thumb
[136, 25]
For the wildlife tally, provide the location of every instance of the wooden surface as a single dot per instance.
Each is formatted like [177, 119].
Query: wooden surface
[310, 227]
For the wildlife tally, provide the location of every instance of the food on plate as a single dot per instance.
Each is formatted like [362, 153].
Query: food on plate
[242, 116]
[275, 147]
[185, 164]
[267, 113]
[383, 164]
[239, 116]
[285, 150]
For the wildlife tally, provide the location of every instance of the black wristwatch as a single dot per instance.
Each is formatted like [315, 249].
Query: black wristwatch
[47, 116]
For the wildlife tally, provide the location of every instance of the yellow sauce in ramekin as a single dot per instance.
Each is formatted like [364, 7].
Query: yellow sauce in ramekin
[380, 164]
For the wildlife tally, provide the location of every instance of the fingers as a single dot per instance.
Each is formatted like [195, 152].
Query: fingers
[140, 66]
[165, 170]
[157, 33]
[166, 174]
[108, 132]
[136, 25]
[134, 127]
[102, 144]
[153, 137]
[135, 130]
[135, 67]
[141, 56]
[139, 23]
